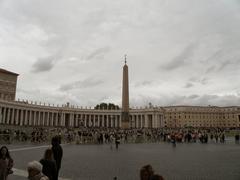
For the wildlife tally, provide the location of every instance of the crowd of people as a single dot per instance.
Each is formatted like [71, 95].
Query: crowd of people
[48, 167]
[110, 135]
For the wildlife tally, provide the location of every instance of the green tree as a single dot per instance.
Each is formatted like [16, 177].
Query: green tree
[107, 106]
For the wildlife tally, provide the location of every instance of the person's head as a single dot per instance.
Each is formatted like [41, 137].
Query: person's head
[4, 153]
[54, 141]
[34, 168]
[48, 154]
[146, 172]
[156, 177]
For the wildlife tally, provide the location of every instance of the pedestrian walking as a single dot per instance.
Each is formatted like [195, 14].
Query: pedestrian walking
[57, 152]
[117, 141]
[49, 165]
[6, 163]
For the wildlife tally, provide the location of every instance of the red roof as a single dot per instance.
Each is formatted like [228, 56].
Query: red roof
[8, 72]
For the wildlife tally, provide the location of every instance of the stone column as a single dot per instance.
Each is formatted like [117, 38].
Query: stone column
[8, 116]
[107, 120]
[94, 120]
[143, 121]
[140, 121]
[70, 119]
[1, 115]
[13, 116]
[78, 117]
[120, 122]
[34, 118]
[85, 120]
[21, 117]
[51, 119]
[81, 120]
[137, 119]
[30, 118]
[110, 121]
[43, 119]
[26, 118]
[17, 117]
[39, 118]
[63, 119]
[55, 119]
[4, 115]
[98, 121]
[48, 121]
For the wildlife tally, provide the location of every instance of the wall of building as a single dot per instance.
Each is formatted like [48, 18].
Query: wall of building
[198, 116]
[8, 83]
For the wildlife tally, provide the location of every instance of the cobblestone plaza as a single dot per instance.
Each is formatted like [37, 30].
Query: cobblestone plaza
[99, 162]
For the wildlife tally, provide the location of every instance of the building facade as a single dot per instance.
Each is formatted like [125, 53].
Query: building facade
[19, 113]
[22, 113]
[202, 116]
[8, 84]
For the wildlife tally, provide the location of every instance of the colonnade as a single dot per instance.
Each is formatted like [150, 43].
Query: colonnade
[20, 114]
[57, 118]
[147, 120]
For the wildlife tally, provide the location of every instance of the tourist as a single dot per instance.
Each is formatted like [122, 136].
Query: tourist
[237, 138]
[222, 140]
[57, 152]
[49, 165]
[6, 163]
[156, 177]
[146, 172]
[34, 169]
[117, 141]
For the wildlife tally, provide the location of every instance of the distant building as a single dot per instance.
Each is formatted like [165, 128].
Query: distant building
[202, 116]
[8, 84]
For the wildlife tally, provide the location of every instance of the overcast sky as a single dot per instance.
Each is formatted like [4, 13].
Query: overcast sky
[179, 52]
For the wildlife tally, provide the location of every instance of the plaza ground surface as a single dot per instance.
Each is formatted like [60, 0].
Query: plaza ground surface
[100, 162]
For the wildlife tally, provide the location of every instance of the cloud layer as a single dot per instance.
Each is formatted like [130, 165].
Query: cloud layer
[73, 51]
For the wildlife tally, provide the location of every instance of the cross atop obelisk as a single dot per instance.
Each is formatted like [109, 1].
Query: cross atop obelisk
[125, 97]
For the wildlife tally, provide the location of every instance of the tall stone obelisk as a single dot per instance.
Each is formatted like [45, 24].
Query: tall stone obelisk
[125, 97]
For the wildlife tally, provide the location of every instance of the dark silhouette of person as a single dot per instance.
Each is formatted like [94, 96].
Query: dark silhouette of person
[117, 141]
[57, 152]
[49, 165]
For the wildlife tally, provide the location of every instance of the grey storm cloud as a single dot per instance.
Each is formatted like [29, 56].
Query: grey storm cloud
[89, 38]
[188, 85]
[182, 59]
[210, 69]
[89, 82]
[98, 52]
[222, 59]
[43, 64]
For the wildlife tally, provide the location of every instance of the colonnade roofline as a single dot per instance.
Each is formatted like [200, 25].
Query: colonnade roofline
[68, 107]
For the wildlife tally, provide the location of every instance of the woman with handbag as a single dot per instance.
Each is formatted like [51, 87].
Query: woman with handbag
[6, 163]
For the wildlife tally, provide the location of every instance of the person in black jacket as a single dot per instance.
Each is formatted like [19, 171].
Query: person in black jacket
[49, 165]
[57, 152]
